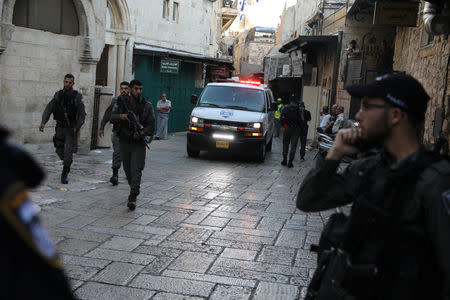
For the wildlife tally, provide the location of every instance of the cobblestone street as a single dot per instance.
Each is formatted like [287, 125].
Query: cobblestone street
[214, 227]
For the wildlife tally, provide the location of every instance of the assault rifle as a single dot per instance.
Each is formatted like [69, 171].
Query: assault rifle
[138, 129]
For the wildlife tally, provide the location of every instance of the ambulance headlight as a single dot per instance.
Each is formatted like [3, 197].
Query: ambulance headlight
[196, 120]
[256, 125]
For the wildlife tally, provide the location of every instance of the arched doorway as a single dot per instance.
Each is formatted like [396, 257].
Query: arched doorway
[36, 52]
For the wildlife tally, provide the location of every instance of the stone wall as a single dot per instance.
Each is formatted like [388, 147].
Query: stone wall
[257, 51]
[196, 30]
[430, 65]
[33, 68]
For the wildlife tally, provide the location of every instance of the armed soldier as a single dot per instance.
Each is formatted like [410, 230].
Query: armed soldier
[395, 244]
[135, 119]
[67, 107]
[116, 161]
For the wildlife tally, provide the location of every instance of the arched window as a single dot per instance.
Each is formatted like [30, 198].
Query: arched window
[57, 16]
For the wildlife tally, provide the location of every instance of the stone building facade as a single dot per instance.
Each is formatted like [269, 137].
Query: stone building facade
[429, 62]
[33, 63]
[415, 52]
[97, 47]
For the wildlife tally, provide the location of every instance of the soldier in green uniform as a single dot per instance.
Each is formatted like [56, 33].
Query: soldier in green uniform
[67, 107]
[396, 242]
[30, 267]
[132, 147]
[116, 161]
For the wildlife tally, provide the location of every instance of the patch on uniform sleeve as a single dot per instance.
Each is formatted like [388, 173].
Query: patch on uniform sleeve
[27, 212]
[446, 201]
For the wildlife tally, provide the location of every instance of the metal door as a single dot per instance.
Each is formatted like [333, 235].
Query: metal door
[178, 88]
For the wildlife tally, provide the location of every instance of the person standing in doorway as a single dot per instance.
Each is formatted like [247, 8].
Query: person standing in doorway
[305, 117]
[132, 146]
[163, 107]
[67, 107]
[116, 161]
[277, 117]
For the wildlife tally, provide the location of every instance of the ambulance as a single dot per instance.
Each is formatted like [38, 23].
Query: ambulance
[232, 117]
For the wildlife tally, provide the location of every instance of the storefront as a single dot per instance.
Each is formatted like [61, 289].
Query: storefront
[178, 74]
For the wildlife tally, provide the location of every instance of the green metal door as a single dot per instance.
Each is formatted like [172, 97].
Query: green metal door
[178, 87]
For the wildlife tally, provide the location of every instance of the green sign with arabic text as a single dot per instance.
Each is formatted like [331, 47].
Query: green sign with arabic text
[170, 66]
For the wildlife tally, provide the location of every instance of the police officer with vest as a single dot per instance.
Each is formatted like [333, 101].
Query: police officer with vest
[305, 116]
[395, 244]
[277, 117]
[67, 107]
[291, 121]
[132, 146]
[30, 267]
[116, 161]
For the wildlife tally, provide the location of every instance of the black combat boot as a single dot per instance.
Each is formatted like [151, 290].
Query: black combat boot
[64, 174]
[115, 177]
[284, 162]
[132, 201]
[290, 165]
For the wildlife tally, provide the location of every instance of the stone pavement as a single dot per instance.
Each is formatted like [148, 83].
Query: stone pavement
[216, 227]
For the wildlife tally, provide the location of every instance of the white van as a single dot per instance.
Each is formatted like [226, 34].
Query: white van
[232, 116]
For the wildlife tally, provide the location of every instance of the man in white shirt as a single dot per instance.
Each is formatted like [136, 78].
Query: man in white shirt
[163, 107]
[324, 118]
[340, 119]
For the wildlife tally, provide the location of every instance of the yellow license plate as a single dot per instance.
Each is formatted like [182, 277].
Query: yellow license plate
[222, 144]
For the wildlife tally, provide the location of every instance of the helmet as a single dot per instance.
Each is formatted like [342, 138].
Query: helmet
[279, 100]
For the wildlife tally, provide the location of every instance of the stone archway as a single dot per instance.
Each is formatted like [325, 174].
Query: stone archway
[84, 10]
[86, 19]
[121, 14]
[118, 43]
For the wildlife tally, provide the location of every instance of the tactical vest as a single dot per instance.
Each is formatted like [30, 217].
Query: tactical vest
[278, 111]
[379, 256]
[125, 129]
[66, 108]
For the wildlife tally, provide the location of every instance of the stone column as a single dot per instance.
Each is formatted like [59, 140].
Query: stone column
[128, 75]
[120, 65]
[112, 66]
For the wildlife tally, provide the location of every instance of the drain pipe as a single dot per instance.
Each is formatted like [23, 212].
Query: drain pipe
[436, 23]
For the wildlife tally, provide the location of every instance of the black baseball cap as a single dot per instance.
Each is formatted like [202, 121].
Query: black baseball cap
[399, 89]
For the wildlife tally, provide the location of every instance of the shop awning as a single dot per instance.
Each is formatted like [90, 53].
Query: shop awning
[308, 42]
[144, 49]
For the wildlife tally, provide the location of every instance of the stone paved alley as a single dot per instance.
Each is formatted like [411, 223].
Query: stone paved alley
[214, 227]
